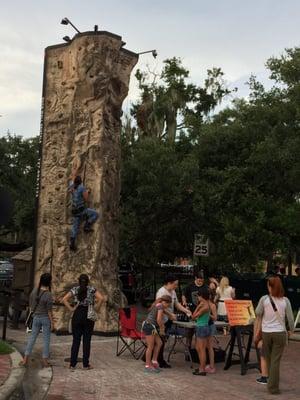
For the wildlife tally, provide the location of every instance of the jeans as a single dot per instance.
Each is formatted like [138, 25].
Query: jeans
[81, 327]
[39, 321]
[90, 215]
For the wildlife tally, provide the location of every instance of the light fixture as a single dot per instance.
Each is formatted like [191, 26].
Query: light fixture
[66, 21]
[67, 39]
[154, 52]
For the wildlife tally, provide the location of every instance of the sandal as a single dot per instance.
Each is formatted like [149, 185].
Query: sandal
[198, 372]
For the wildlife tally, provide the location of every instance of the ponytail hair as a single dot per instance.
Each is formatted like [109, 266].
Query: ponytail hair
[83, 284]
[166, 298]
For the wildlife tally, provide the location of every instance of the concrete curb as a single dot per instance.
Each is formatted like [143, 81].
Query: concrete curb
[15, 377]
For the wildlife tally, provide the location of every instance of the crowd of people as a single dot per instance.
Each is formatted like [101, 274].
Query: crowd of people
[205, 303]
[202, 302]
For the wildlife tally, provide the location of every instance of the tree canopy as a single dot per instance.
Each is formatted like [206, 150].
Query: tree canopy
[18, 170]
[232, 175]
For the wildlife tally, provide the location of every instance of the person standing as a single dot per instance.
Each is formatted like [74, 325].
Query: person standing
[273, 309]
[84, 296]
[203, 331]
[41, 302]
[79, 210]
[190, 293]
[224, 292]
[153, 327]
[169, 289]
[190, 300]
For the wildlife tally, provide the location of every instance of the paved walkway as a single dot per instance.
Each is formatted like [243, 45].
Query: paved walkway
[5, 366]
[122, 378]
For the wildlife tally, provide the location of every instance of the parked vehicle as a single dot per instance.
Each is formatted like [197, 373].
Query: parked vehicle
[6, 273]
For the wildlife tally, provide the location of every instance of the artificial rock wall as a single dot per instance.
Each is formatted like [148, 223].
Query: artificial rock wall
[85, 83]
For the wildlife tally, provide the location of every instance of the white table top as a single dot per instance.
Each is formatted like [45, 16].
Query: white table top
[192, 324]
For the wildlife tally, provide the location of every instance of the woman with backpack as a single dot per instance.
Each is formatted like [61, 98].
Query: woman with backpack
[41, 308]
[273, 309]
[83, 320]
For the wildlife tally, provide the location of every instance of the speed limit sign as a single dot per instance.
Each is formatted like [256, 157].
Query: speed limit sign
[201, 246]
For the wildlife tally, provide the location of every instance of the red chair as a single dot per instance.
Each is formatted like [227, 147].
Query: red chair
[129, 338]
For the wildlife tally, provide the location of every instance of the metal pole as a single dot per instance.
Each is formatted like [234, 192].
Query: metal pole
[6, 303]
[73, 26]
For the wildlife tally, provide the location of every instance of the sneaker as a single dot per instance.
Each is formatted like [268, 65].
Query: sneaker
[151, 370]
[87, 228]
[210, 370]
[155, 365]
[72, 244]
[164, 364]
[263, 380]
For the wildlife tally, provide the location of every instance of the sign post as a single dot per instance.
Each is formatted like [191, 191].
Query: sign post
[241, 318]
[201, 245]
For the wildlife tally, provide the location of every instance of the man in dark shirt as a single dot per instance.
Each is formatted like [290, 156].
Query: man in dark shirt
[189, 297]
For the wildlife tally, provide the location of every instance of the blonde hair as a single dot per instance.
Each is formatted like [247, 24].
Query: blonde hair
[224, 283]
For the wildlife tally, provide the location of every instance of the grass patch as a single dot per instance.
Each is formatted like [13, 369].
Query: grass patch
[5, 348]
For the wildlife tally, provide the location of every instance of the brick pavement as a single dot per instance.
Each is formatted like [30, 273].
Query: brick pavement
[122, 378]
[5, 367]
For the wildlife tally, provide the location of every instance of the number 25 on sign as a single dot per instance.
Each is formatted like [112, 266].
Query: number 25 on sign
[201, 246]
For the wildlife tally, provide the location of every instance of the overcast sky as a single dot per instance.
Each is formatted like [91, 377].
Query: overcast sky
[236, 35]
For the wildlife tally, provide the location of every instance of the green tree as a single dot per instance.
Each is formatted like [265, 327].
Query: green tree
[234, 177]
[18, 171]
[169, 103]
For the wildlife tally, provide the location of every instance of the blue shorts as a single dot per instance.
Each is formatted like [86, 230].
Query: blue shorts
[149, 329]
[203, 331]
[213, 329]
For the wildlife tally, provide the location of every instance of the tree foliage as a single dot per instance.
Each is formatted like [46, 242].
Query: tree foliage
[234, 177]
[170, 102]
[18, 170]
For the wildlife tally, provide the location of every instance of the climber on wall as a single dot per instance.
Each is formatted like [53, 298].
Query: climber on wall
[80, 210]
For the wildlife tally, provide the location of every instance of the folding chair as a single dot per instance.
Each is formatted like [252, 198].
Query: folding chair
[129, 338]
[297, 321]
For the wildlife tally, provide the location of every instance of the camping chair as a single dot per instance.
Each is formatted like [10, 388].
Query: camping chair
[297, 321]
[129, 338]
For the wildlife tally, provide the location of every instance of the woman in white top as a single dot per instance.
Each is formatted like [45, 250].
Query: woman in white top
[224, 292]
[273, 310]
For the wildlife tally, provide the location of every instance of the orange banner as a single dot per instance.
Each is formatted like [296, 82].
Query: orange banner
[240, 312]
